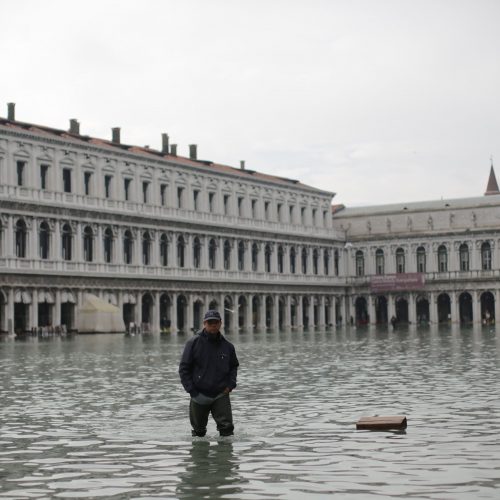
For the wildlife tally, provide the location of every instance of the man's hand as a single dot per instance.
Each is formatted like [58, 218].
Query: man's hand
[227, 390]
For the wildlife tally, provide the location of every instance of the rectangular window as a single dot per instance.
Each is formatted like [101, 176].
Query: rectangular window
[126, 188]
[20, 172]
[87, 181]
[180, 197]
[254, 209]
[196, 197]
[163, 194]
[279, 212]
[226, 204]
[145, 192]
[240, 206]
[303, 216]
[290, 214]
[325, 212]
[314, 212]
[67, 180]
[211, 202]
[107, 186]
[44, 171]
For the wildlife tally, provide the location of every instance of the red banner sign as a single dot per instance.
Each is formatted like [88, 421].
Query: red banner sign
[397, 282]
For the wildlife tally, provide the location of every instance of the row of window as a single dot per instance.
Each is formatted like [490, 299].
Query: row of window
[442, 259]
[296, 260]
[256, 209]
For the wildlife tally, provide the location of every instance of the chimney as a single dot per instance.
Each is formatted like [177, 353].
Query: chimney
[164, 144]
[173, 149]
[74, 127]
[116, 135]
[192, 151]
[11, 111]
[242, 164]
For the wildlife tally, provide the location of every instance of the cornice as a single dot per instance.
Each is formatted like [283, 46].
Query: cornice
[163, 162]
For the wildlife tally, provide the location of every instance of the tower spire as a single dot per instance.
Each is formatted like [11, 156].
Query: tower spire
[492, 187]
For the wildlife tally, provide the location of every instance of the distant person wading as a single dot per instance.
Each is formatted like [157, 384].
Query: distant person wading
[208, 371]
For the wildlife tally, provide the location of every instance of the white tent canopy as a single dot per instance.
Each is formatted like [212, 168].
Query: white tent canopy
[98, 316]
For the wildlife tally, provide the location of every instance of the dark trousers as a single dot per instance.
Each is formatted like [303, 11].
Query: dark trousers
[221, 412]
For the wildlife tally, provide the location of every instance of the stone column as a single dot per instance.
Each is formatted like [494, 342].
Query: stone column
[57, 306]
[496, 294]
[10, 240]
[99, 247]
[236, 310]
[173, 314]
[288, 312]
[233, 256]
[155, 248]
[155, 324]
[78, 241]
[248, 255]
[172, 250]
[188, 256]
[321, 261]
[219, 255]
[286, 259]
[249, 315]
[137, 257]
[138, 309]
[412, 308]
[454, 307]
[33, 243]
[262, 312]
[260, 257]
[321, 316]
[476, 307]
[372, 309]
[189, 313]
[391, 309]
[299, 312]
[433, 313]
[55, 247]
[311, 323]
[120, 302]
[333, 319]
[275, 322]
[10, 310]
[34, 314]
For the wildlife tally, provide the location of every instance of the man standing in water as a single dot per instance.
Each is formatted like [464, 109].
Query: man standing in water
[208, 370]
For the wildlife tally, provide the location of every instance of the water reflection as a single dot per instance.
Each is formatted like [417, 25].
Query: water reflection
[105, 416]
[211, 471]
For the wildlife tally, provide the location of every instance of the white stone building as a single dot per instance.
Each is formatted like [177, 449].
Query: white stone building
[447, 249]
[162, 236]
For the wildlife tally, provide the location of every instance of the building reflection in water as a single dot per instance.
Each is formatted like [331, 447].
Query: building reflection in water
[211, 472]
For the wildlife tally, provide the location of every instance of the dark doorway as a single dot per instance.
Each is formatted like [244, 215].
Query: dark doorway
[444, 308]
[465, 307]
[422, 311]
[381, 310]
[44, 314]
[361, 311]
[21, 315]
[487, 308]
[128, 314]
[68, 315]
[402, 310]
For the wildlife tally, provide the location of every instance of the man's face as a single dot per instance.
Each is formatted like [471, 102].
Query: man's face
[212, 325]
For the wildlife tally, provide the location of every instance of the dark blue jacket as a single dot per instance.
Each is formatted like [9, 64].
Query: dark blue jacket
[208, 365]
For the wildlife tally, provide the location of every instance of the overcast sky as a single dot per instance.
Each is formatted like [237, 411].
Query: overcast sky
[379, 101]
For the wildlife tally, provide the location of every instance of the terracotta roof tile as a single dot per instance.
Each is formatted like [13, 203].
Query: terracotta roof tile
[149, 152]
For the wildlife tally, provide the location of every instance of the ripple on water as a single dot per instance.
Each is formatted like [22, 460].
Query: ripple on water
[105, 417]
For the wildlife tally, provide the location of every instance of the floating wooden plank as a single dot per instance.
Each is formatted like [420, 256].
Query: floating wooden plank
[382, 423]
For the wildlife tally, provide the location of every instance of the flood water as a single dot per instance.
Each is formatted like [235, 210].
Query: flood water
[105, 416]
